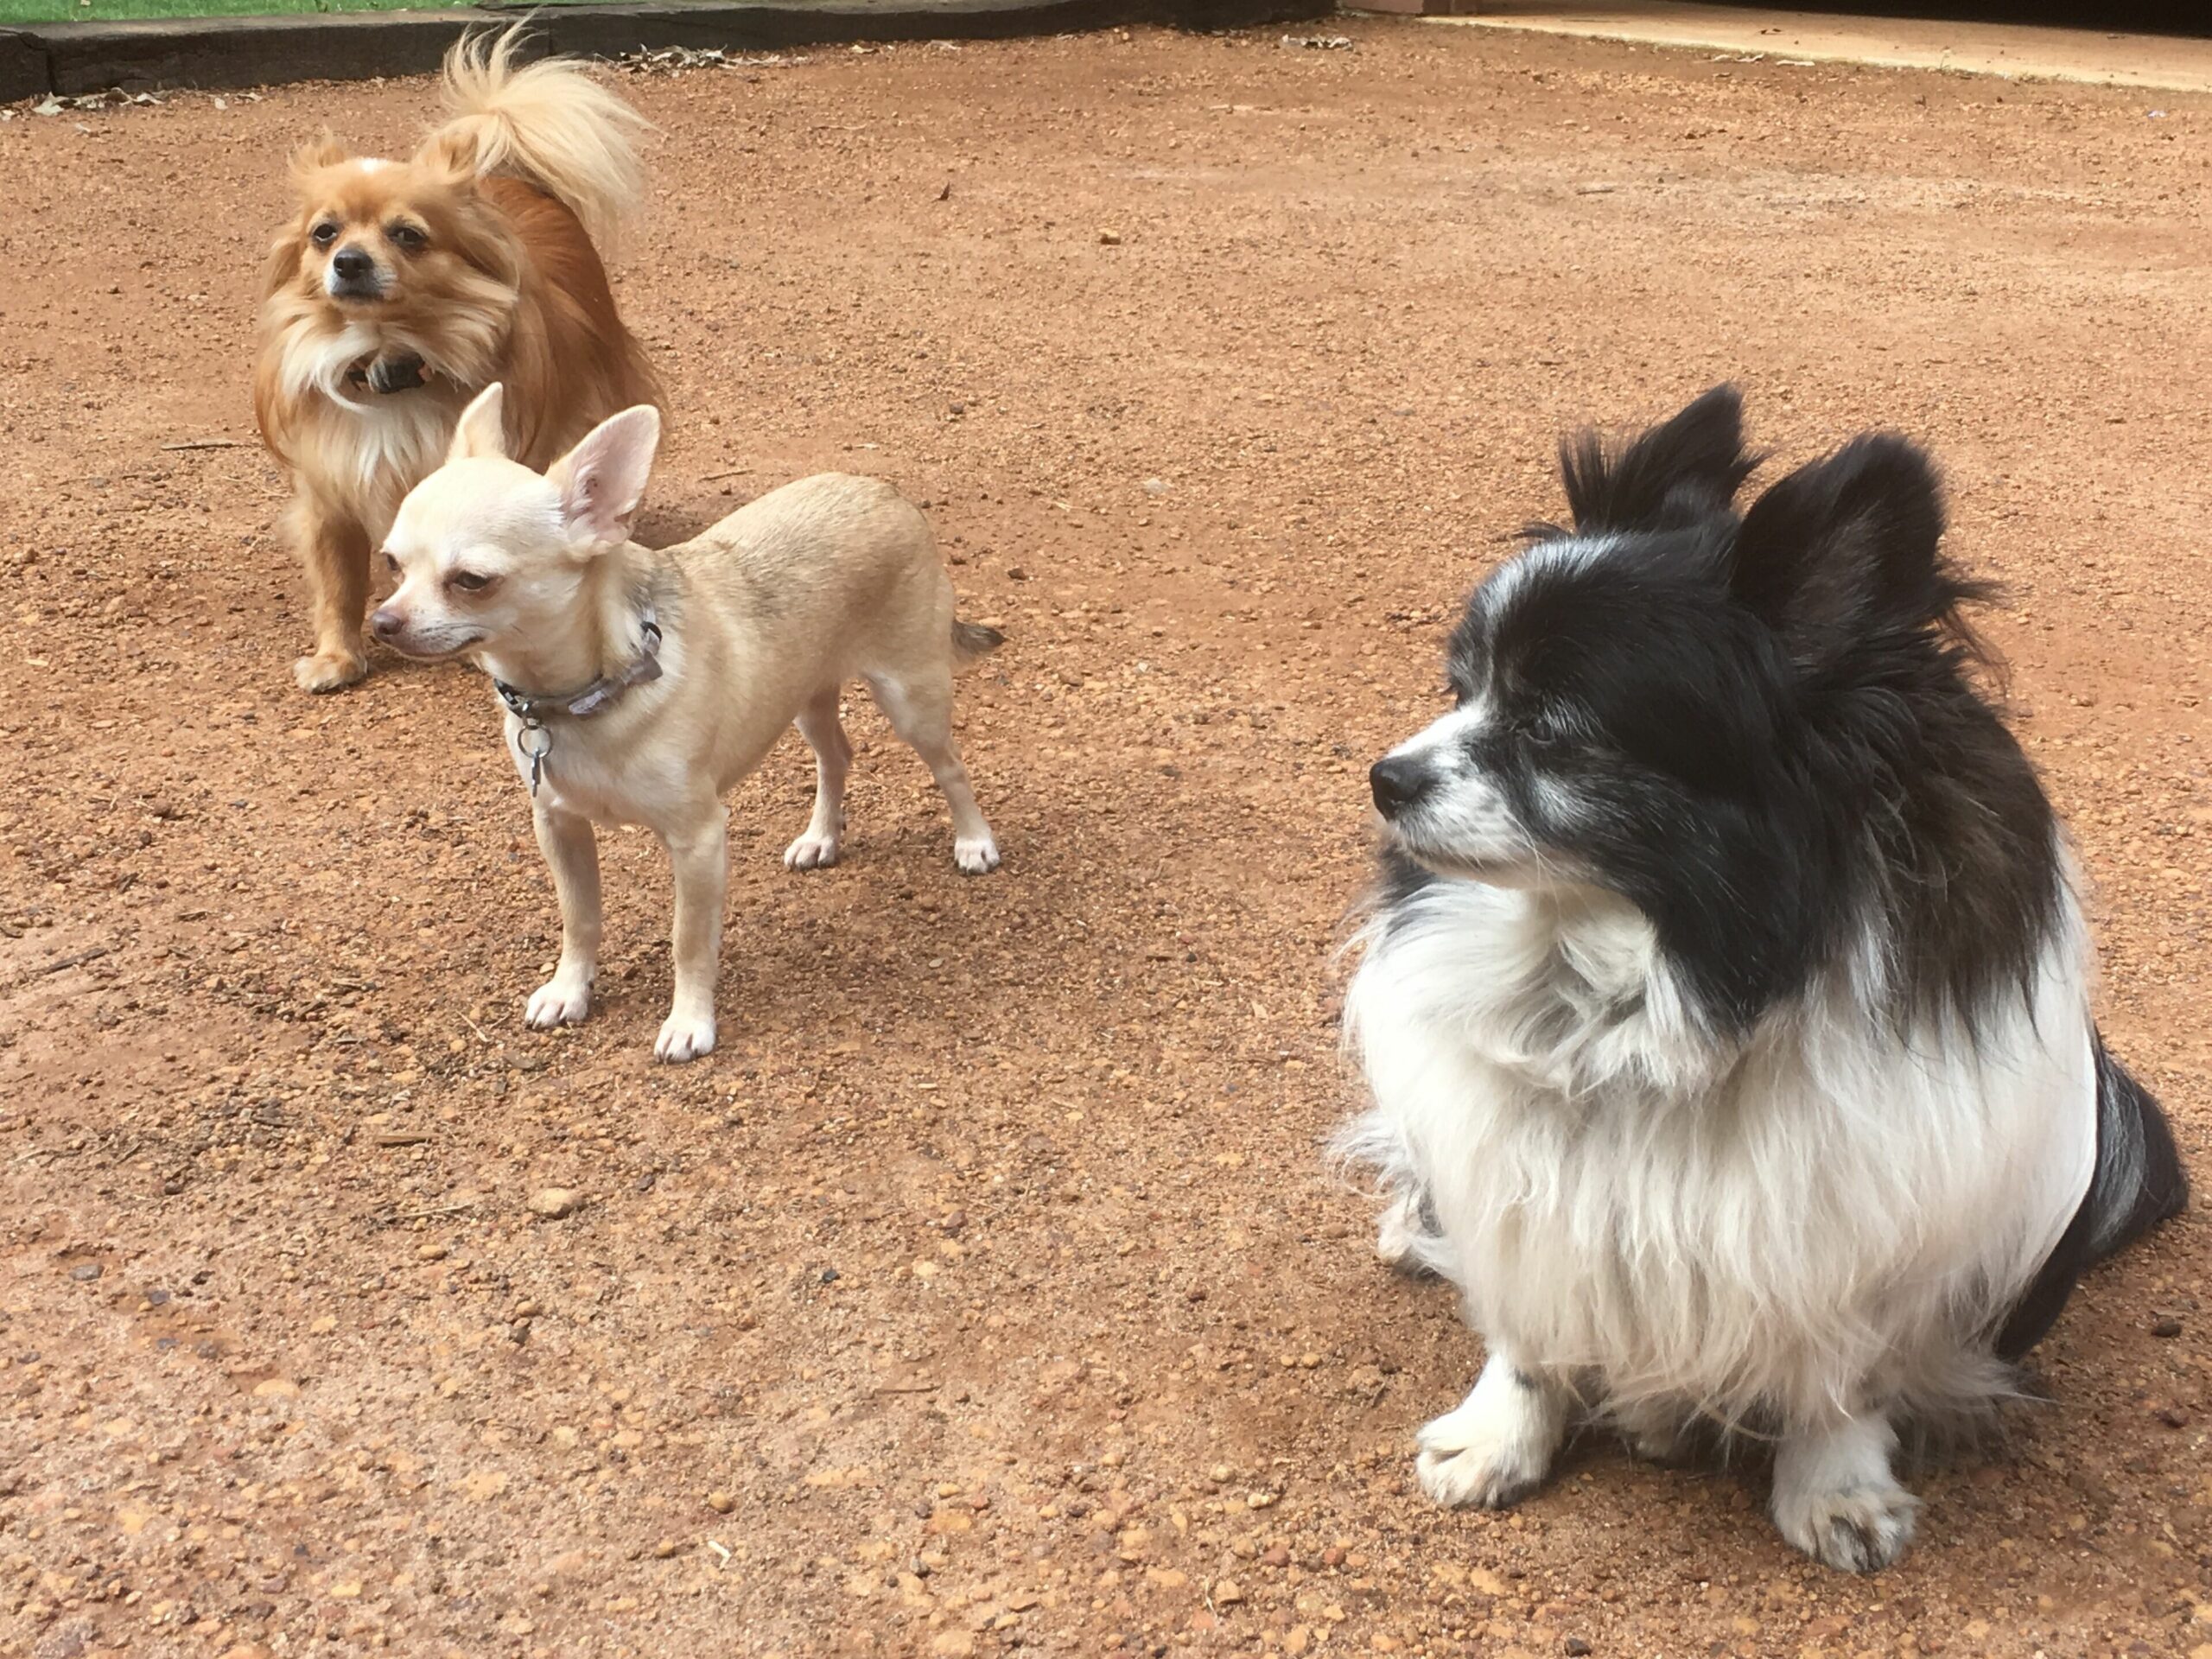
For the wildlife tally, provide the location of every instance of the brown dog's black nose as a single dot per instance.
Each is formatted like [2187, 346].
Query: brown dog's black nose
[1398, 781]
[353, 266]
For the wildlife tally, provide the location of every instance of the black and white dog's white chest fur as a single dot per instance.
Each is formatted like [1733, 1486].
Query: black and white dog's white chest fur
[1725, 1001]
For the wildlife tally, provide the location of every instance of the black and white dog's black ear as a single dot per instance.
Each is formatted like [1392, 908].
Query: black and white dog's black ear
[1846, 547]
[1680, 472]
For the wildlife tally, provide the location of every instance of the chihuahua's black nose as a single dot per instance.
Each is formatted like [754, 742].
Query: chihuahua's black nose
[385, 622]
[1398, 781]
[352, 265]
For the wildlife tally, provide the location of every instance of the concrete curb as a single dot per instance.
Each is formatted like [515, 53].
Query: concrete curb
[73, 58]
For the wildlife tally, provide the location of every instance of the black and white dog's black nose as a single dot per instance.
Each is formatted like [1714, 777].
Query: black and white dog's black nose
[352, 264]
[1398, 781]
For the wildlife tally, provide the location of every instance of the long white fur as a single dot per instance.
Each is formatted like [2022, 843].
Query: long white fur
[1823, 1217]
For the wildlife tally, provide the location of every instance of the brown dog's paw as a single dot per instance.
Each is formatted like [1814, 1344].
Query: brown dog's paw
[328, 670]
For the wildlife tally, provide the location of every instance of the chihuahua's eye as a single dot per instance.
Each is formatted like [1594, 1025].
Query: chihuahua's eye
[408, 238]
[323, 234]
[391, 563]
[469, 581]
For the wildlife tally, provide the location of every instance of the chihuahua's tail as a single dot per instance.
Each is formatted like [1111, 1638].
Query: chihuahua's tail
[549, 123]
[972, 641]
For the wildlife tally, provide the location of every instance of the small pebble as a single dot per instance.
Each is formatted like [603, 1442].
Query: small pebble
[1576, 1647]
[1109, 238]
[554, 1201]
[2168, 1327]
[85, 1272]
[722, 1502]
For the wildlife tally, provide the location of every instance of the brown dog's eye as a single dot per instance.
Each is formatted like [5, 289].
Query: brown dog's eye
[323, 234]
[469, 581]
[408, 238]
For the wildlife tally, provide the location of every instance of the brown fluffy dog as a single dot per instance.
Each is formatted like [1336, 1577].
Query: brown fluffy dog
[403, 289]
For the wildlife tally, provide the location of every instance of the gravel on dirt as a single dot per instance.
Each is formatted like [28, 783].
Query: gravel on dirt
[988, 1287]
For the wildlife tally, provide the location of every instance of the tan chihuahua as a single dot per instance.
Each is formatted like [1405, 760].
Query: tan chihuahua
[640, 685]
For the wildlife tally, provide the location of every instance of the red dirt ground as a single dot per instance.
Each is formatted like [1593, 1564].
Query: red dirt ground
[987, 1289]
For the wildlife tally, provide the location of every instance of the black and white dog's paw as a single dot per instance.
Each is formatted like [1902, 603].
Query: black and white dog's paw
[1835, 1498]
[1860, 1530]
[1409, 1238]
[1660, 1432]
[1495, 1449]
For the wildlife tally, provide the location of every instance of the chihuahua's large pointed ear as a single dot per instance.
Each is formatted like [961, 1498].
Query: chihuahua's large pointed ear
[1846, 547]
[325, 151]
[1682, 470]
[482, 429]
[602, 480]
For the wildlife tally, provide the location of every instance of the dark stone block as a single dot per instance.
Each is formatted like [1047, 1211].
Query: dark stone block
[231, 52]
[23, 71]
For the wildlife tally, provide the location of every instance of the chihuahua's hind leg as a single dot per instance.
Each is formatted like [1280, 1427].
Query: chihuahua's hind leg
[833, 758]
[571, 850]
[919, 708]
[335, 550]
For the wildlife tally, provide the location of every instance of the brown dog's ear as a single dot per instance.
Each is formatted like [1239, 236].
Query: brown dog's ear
[325, 151]
[602, 480]
[482, 429]
[451, 154]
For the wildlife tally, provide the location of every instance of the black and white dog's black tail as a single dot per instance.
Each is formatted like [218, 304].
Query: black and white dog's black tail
[2139, 1182]
[2136, 1184]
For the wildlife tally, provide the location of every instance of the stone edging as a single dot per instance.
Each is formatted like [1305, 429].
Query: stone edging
[73, 58]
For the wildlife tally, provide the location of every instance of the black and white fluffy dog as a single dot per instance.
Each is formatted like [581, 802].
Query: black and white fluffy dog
[1725, 1000]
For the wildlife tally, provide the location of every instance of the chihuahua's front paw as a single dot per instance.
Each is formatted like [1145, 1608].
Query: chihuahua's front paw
[559, 1001]
[811, 852]
[975, 854]
[684, 1037]
[329, 670]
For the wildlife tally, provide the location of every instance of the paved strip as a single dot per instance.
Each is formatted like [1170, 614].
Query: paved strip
[2020, 51]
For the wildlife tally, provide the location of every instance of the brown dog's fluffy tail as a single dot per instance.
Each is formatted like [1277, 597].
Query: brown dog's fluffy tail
[548, 123]
[972, 641]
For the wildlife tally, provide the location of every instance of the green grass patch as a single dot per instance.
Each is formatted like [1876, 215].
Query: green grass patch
[109, 11]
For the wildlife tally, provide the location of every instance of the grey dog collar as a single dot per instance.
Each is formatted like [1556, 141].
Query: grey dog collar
[533, 710]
